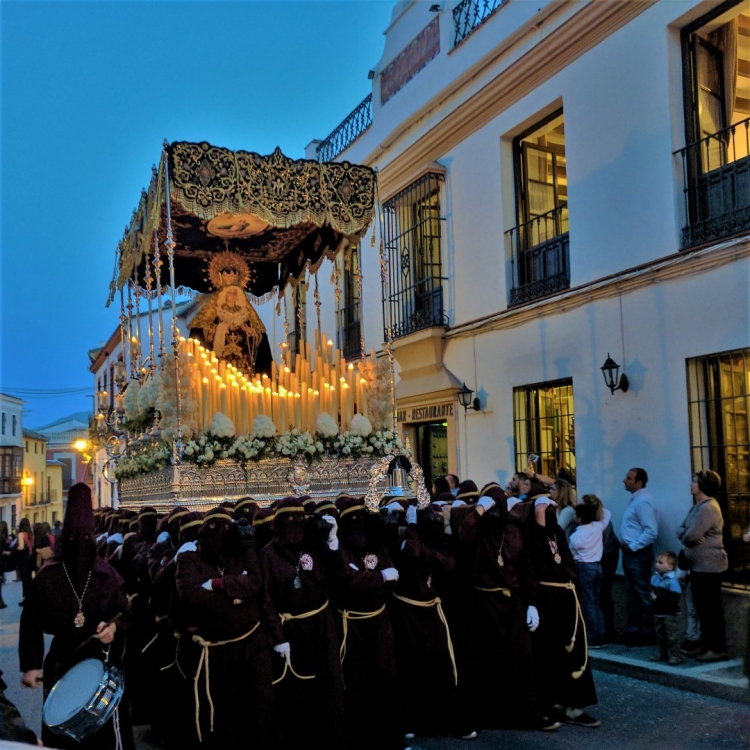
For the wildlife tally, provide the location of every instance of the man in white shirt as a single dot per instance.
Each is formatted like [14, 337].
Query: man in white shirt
[638, 531]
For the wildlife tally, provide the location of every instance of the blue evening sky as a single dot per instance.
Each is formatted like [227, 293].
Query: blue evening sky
[89, 92]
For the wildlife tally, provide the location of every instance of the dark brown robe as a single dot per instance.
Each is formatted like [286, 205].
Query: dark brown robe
[502, 679]
[562, 677]
[317, 704]
[369, 663]
[51, 607]
[423, 656]
[240, 671]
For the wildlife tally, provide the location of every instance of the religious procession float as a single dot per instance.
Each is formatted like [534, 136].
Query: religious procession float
[212, 415]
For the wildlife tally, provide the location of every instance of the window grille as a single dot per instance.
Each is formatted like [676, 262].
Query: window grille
[544, 424]
[413, 279]
[718, 405]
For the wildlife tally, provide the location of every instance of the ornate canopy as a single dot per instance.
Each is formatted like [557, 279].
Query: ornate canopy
[278, 214]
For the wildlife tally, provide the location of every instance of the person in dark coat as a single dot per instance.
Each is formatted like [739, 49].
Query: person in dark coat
[76, 598]
[424, 649]
[172, 657]
[309, 678]
[231, 618]
[562, 671]
[504, 613]
[364, 585]
[12, 726]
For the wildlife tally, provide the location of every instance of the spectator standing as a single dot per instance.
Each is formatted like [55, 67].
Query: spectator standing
[610, 559]
[24, 555]
[701, 537]
[639, 529]
[665, 594]
[453, 482]
[57, 529]
[5, 559]
[42, 548]
[587, 547]
[564, 496]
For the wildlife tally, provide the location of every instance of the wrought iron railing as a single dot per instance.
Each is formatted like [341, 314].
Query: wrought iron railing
[347, 132]
[415, 307]
[540, 256]
[470, 14]
[349, 331]
[412, 277]
[716, 180]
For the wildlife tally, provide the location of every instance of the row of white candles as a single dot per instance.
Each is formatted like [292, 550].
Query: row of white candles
[299, 389]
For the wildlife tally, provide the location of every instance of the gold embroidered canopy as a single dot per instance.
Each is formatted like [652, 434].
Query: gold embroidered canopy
[280, 215]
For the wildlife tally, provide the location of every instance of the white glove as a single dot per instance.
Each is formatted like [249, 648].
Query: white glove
[457, 503]
[395, 507]
[207, 585]
[390, 574]
[486, 503]
[411, 514]
[333, 540]
[532, 618]
[187, 547]
[285, 651]
[162, 537]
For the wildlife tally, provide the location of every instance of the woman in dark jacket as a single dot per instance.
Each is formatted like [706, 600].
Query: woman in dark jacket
[5, 559]
[25, 563]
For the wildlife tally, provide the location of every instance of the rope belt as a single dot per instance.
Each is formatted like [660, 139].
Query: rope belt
[203, 666]
[348, 614]
[503, 591]
[436, 602]
[286, 617]
[579, 618]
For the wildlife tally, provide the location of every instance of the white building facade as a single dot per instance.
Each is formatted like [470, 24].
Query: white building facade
[563, 182]
[11, 459]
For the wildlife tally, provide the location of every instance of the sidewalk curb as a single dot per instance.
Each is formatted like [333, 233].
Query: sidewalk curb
[691, 679]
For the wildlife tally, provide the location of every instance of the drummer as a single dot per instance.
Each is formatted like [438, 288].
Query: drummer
[80, 600]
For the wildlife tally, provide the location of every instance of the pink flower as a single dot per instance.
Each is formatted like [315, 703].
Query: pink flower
[306, 562]
[371, 562]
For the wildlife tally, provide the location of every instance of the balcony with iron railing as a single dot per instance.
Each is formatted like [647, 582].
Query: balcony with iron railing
[347, 132]
[469, 15]
[415, 307]
[716, 185]
[540, 249]
[349, 331]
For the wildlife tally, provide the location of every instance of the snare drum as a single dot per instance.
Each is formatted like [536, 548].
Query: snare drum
[83, 699]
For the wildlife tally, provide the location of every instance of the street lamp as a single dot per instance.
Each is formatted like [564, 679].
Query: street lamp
[464, 398]
[610, 369]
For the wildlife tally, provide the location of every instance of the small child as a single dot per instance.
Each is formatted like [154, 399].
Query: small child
[665, 594]
[587, 547]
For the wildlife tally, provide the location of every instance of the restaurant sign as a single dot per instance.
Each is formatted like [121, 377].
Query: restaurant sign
[425, 413]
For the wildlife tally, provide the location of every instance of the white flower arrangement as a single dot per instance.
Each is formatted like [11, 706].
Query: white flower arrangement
[221, 426]
[360, 425]
[153, 458]
[295, 442]
[263, 427]
[326, 426]
[131, 401]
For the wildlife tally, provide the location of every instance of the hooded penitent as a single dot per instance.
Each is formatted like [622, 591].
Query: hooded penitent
[245, 508]
[430, 525]
[78, 547]
[352, 522]
[215, 536]
[468, 492]
[190, 524]
[147, 520]
[289, 523]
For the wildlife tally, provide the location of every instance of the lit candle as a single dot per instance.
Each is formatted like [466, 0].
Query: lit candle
[206, 406]
[223, 399]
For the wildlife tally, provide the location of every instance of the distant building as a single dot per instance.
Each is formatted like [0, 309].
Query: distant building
[11, 457]
[42, 485]
[62, 435]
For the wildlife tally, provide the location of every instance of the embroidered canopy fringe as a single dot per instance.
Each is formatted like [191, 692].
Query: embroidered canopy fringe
[436, 602]
[348, 614]
[579, 618]
[203, 664]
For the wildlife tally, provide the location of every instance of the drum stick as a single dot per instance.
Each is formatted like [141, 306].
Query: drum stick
[92, 637]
